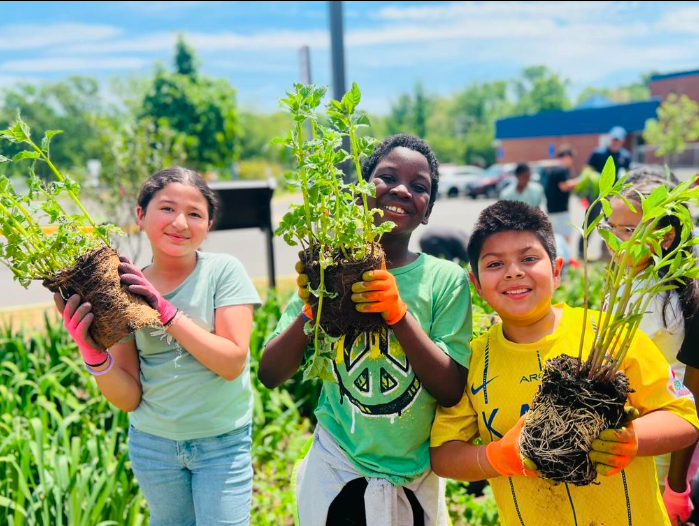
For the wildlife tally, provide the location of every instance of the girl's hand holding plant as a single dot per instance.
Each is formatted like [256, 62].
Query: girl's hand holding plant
[138, 284]
[379, 293]
[77, 319]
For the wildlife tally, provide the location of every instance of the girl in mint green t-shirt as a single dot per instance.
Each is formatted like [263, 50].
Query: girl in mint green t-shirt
[369, 462]
[186, 382]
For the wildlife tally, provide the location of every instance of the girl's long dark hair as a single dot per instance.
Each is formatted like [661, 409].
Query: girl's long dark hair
[643, 181]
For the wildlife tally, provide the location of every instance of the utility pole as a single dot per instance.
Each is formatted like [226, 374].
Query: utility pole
[337, 47]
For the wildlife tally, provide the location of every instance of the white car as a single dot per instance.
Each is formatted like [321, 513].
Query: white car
[454, 179]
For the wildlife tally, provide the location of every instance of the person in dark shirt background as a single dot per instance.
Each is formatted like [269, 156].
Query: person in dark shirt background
[443, 241]
[620, 155]
[558, 187]
[598, 158]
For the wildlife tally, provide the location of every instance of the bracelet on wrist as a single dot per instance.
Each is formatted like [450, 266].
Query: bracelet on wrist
[172, 320]
[90, 370]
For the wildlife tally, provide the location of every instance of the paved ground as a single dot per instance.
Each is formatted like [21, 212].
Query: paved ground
[249, 246]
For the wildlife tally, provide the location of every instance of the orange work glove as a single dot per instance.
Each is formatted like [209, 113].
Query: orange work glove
[379, 293]
[505, 457]
[614, 450]
[303, 292]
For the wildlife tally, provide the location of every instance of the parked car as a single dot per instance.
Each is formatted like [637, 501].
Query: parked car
[491, 181]
[453, 179]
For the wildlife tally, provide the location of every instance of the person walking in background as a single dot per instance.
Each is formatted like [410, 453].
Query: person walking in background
[558, 187]
[524, 189]
[445, 242]
[598, 158]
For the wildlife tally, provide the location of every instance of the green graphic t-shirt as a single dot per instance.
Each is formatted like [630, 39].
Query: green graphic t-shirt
[182, 399]
[378, 411]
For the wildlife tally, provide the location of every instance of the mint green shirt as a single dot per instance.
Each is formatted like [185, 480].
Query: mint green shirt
[533, 194]
[182, 399]
[378, 411]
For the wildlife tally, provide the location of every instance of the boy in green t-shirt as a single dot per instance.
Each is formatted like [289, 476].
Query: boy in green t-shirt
[370, 453]
[515, 269]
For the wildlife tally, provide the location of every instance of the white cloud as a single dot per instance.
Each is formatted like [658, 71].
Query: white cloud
[25, 36]
[559, 10]
[157, 8]
[681, 21]
[44, 65]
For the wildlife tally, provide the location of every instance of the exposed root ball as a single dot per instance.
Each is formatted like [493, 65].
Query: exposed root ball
[569, 411]
[339, 315]
[95, 278]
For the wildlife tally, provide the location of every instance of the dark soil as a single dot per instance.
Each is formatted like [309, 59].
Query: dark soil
[95, 278]
[339, 315]
[569, 411]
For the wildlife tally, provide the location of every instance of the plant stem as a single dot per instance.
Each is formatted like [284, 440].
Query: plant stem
[304, 179]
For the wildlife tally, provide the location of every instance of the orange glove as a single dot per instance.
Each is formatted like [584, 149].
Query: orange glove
[504, 454]
[614, 450]
[379, 293]
[303, 292]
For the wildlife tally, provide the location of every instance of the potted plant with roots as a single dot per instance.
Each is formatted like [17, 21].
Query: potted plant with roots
[582, 394]
[333, 225]
[65, 249]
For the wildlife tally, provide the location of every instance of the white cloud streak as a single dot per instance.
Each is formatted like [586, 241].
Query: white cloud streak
[27, 36]
[45, 65]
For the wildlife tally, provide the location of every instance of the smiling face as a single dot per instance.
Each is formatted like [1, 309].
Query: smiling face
[516, 277]
[176, 220]
[403, 185]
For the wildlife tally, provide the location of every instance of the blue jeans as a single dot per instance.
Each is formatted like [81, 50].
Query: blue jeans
[201, 482]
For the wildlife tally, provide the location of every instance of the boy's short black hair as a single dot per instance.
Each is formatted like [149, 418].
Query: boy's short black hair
[522, 168]
[410, 142]
[505, 216]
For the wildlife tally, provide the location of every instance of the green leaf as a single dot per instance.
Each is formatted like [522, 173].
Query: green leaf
[4, 159]
[607, 179]
[606, 207]
[26, 155]
[612, 241]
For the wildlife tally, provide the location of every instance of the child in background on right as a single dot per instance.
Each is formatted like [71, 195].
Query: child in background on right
[515, 269]
[664, 322]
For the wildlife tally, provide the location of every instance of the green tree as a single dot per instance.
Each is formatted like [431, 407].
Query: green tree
[67, 105]
[201, 108]
[677, 124]
[410, 113]
[539, 89]
[133, 149]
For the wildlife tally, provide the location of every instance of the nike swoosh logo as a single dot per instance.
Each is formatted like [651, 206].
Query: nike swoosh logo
[476, 390]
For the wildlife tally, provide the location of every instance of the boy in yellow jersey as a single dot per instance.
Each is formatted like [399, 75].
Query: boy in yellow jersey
[515, 269]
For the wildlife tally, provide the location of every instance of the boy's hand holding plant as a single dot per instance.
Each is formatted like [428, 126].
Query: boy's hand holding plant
[379, 293]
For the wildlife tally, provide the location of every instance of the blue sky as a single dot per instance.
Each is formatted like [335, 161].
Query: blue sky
[389, 45]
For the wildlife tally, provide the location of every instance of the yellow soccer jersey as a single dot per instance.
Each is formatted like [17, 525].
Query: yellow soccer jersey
[502, 380]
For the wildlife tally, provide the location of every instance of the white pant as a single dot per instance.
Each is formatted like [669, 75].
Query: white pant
[325, 470]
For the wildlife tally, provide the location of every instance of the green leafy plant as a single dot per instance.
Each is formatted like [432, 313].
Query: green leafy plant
[31, 251]
[579, 398]
[329, 225]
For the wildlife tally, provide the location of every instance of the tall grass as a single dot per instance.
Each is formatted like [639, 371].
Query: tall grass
[63, 451]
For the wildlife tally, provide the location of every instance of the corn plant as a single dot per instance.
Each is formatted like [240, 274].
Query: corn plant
[628, 277]
[29, 250]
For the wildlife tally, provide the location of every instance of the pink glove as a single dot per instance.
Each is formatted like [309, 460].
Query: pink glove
[77, 322]
[138, 284]
[678, 505]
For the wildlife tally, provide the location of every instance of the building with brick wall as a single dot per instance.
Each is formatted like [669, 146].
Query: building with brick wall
[527, 138]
